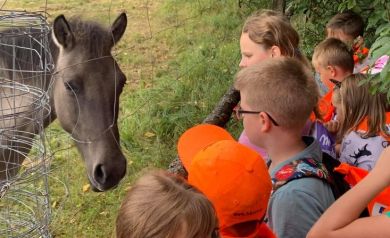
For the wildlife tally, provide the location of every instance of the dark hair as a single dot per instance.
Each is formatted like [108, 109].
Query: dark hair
[349, 22]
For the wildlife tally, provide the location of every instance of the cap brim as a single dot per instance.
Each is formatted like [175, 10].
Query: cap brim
[197, 138]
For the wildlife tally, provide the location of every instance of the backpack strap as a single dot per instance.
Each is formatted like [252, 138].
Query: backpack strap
[302, 168]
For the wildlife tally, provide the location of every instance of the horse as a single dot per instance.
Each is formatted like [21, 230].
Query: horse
[83, 91]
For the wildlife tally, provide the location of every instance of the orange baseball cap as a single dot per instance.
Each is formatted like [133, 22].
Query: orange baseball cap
[233, 176]
[197, 138]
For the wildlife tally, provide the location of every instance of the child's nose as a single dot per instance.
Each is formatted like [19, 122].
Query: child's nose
[242, 64]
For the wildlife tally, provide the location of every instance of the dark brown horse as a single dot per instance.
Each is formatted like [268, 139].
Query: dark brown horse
[83, 95]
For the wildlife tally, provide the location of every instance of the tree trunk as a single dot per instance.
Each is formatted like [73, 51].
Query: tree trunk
[222, 113]
[220, 116]
[279, 5]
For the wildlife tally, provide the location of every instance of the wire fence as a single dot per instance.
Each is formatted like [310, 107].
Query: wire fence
[26, 166]
[25, 64]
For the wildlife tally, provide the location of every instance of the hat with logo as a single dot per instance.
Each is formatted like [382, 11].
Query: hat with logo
[232, 176]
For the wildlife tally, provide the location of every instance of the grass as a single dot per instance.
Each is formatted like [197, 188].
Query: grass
[179, 58]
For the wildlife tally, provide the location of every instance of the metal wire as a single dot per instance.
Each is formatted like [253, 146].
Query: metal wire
[24, 161]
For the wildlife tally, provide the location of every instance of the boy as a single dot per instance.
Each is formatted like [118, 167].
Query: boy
[349, 28]
[333, 61]
[233, 177]
[277, 97]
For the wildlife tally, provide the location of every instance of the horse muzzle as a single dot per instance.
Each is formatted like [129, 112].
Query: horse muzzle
[107, 175]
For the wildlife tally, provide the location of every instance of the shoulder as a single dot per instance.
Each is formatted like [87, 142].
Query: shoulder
[294, 208]
[304, 190]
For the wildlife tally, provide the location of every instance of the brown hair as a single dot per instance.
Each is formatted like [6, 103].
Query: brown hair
[269, 28]
[282, 87]
[358, 103]
[162, 205]
[349, 22]
[334, 52]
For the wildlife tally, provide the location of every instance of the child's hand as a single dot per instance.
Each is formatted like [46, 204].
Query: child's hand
[332, 126]
[381, 169]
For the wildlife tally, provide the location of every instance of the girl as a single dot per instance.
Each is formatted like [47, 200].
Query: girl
[364, 123]
[166, 206]
[267, 34]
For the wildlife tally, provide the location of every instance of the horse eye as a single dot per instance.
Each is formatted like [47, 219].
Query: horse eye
[71, 87]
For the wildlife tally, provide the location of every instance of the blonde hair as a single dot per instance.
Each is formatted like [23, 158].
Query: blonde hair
[349, 22]
[162, 205]
[270, 28]
[358, 103]
[334, 52]
[336, 96]
[282, 87]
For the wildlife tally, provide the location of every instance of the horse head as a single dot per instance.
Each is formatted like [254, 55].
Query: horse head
[85, 94]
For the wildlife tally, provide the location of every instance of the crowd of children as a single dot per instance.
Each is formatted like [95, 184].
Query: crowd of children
[273, 181]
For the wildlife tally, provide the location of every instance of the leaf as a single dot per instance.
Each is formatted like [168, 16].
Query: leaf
[380, 42]
[149, 134]
[86, 188]
[382, 28]
[351, 4]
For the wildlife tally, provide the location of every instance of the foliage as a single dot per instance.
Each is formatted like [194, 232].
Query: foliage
[315, 14]
[178, 67]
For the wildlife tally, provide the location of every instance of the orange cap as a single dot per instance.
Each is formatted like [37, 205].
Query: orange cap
[198, 137]
[233, 176]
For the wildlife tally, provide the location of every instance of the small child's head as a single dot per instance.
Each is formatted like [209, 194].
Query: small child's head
[333, 59]
[280, 93]
[346, 26]
[267, 34]
[357, 103]
[164, 205]
[232, 176]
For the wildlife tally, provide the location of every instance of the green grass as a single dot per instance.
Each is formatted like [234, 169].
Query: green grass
[178, 64]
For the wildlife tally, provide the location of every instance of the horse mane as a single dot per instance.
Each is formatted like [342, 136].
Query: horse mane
[27, 48]
[91, 37]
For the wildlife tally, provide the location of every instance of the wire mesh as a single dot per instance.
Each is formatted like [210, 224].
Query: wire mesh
[25, 66]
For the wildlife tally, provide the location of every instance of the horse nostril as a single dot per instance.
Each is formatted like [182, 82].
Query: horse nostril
[100, 175]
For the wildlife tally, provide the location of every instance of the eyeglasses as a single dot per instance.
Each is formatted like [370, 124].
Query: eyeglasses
[238, 114]
[336, 83]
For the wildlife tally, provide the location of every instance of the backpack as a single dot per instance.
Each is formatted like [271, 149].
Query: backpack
[309, 167]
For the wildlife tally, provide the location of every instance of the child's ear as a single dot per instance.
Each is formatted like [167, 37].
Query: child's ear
[332, 70]
[265, 122]
[275, 51]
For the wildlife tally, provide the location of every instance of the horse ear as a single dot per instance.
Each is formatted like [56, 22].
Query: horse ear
[62, 34]
[118, 27]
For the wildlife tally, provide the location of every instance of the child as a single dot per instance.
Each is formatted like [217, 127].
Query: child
[165, 206]
[333, 60]
[342, 218]
[232, 176]
[349, 28]
[277, 97]
[267, 34]
[364, 124]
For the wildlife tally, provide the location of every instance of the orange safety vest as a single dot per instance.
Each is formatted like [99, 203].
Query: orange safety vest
[326, 108]
[354, 175]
